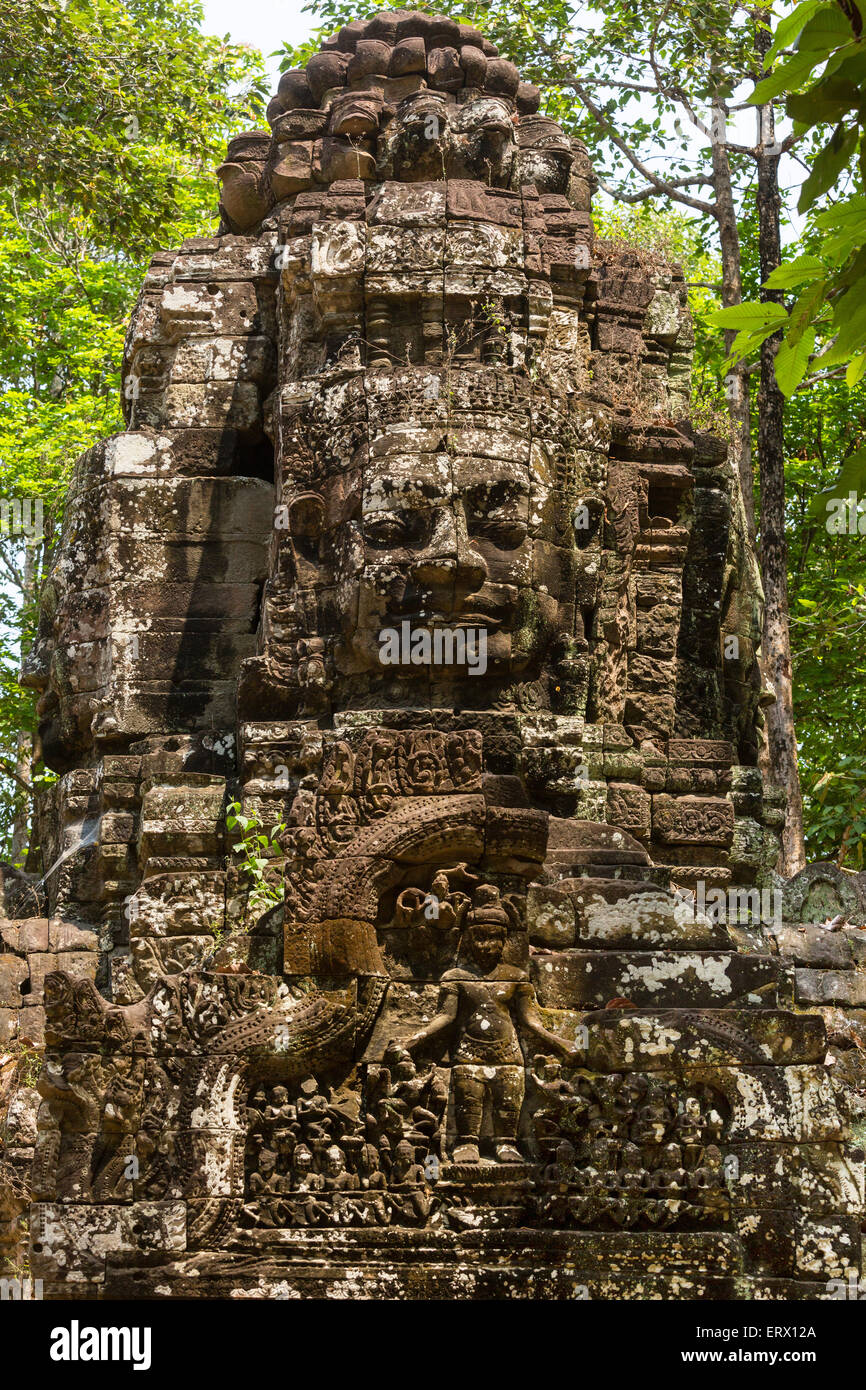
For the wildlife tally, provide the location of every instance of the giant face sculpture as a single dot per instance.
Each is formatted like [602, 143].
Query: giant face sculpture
[431, 138]
[424, 455]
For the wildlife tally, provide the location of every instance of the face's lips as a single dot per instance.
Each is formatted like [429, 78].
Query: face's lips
[489, 610]
[437, 609]
[47, 704]
[501, 128]
[431, 621]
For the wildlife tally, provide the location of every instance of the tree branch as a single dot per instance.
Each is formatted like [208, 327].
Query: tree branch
[8, 770]
[12, 570]
[660, 185]
[649, 192]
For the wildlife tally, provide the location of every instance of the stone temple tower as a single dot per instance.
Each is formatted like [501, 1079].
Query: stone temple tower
[410, 549]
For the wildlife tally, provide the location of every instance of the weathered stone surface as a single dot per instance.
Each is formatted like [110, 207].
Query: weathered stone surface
[814, 947]
[831, 987]
[684, 979]
[783, 1245]
[14, 971]
[682, 820]
[72, 1242]
[812, 1177]
[821, 892]
[620, 1039]
[381, 660]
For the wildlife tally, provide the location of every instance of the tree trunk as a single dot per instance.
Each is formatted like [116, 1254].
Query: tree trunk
[24, 748]
[737, 383]
[21, 823]
[781, 738]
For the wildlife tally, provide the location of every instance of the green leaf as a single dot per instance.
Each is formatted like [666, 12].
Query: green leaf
[789, 75]
[752, 316]
[828, 165]
[847, 216]
[746, 345]
[792, 361]
[849, 317]
[788, 28]
[855, 369]
[827, 100]
[843, 226]
[804, 309]
[851, 478]
[852, 273]
[793, 273]
[847, 66]
[827, 29]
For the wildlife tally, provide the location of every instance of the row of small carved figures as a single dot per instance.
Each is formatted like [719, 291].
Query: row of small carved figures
[410, 1107]
[302, 1186]
[328, 1186]
[617, 1169]
[402, 1102]
[603, 1116]
[636, 1107]
[456, 1211]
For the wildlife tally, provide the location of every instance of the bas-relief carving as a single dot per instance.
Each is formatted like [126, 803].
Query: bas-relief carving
[404, 384]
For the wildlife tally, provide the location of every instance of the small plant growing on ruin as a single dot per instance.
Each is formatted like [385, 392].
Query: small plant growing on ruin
[256, 849]
[29, 1065]
[20, 1065]
[218, 936]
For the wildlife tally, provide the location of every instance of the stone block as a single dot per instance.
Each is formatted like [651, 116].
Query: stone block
[814, 947]
[679, 979]
[692, 820]
[66, 936]
[845, 987]
[14, 972]
[33, 935]
[74, 1240]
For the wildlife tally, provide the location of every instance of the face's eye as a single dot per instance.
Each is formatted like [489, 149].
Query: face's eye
[505, 535]
[393, 529]
[498, 514]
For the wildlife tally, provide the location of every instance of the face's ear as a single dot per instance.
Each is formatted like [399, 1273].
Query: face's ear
[306, 517]
[587, 515]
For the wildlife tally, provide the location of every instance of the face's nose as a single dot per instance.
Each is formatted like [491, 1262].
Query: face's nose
[35, 667]
[434, 567]
[449, 566]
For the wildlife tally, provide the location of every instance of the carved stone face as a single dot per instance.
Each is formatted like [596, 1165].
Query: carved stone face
[334, 1162]
[404, 1156]
[65, 672]
[431, 138]
[484, 944]
[369, 1159]
[445, 541]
